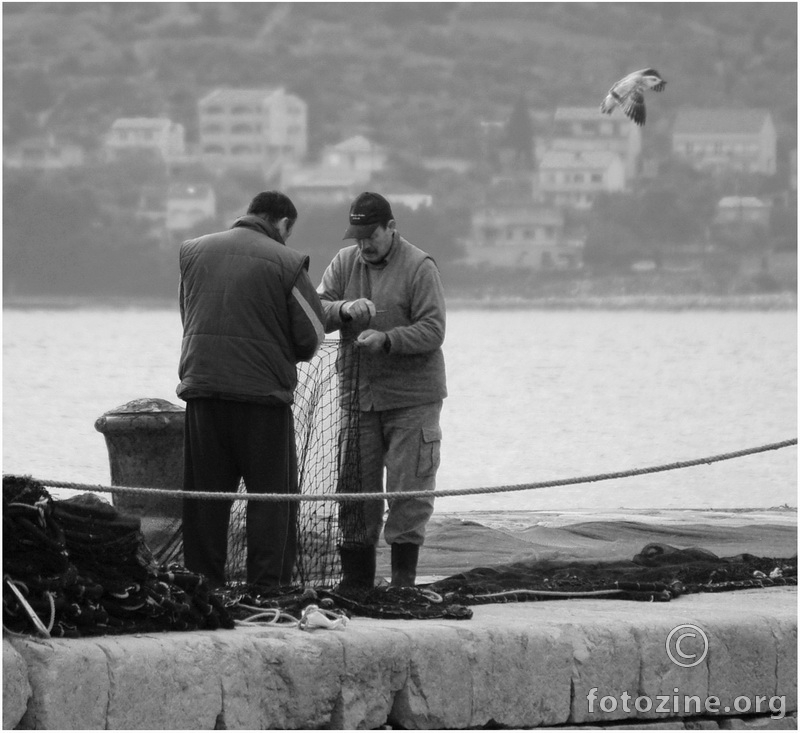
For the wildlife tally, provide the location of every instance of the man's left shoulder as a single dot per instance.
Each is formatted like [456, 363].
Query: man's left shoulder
[416, 252]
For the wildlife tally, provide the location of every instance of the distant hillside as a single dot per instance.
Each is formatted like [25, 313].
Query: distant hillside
[415, 76]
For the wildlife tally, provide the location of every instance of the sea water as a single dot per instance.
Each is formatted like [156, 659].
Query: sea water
[534, 396]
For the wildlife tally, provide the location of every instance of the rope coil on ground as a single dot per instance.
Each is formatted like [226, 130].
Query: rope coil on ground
[34, 617]
[243, 496]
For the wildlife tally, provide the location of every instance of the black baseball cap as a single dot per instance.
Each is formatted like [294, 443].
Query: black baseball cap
[367, 212]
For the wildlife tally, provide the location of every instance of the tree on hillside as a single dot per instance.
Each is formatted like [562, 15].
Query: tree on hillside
[401, 14]
[610, 246]
[59, 238]
[678, 205]
[783, 226]
[519, 133]
[430, 230]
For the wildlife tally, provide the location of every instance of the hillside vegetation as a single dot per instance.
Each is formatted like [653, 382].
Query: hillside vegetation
[415, 76]
[418, 78]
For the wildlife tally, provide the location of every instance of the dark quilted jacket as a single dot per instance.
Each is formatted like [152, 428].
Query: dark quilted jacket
[249, 314]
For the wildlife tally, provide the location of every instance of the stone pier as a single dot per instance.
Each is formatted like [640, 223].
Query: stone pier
[575, 663]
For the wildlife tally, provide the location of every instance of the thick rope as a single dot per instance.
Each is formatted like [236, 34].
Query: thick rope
[407, 494]
[34, 617]
[553, 593]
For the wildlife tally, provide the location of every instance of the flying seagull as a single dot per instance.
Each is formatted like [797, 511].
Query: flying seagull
[628, 94]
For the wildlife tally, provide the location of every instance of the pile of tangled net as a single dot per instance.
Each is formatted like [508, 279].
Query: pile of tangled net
[658, 573]
[247, 604]
[78, 567]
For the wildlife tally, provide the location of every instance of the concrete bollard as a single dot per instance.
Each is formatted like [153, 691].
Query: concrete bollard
[144, 438]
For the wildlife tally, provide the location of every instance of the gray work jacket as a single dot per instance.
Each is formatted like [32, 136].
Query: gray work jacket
[408, 295]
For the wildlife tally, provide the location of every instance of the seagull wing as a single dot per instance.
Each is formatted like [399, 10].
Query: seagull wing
[633, 107]
[608, 104]
[628, 83]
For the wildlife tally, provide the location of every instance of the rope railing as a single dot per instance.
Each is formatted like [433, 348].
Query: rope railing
[243, 496]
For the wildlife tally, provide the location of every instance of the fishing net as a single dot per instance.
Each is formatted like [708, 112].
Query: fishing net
[81, 566]
[325, 412]
[78, 567]
[659, 572]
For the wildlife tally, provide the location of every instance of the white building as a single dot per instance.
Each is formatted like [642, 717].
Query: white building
[460, 166]
[135, 135]
[402, 196]
[252, 128]
[726, 139]
[520, 236]
[320, 186]
[357, 155]
[742, 210]
[574, 179]
[43, 153]
[586, 129]
[344, 169]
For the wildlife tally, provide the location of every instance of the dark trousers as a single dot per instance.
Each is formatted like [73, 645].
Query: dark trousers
[225, 442]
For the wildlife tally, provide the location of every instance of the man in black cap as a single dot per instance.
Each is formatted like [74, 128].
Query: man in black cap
[385, 295]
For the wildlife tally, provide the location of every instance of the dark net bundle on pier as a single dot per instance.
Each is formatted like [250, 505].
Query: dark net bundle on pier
[659, 572]
[79, 567]
[325, 412]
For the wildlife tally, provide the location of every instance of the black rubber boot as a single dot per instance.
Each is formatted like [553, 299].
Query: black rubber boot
[358, 567]
[404, 564]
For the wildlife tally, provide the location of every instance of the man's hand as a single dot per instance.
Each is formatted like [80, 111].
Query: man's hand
[371, 340]
[359, 310]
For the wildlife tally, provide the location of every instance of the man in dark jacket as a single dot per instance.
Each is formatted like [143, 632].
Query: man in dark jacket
[385, 296]
[249, 314]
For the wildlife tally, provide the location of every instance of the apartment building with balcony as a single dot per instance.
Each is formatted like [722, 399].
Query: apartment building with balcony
[573, 180]
[260, 129]
[719, 140]
[528, 236]
[586, 129]
[357, 154]
[157, 136]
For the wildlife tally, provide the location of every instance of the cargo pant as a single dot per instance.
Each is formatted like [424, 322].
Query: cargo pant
[406, 442]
